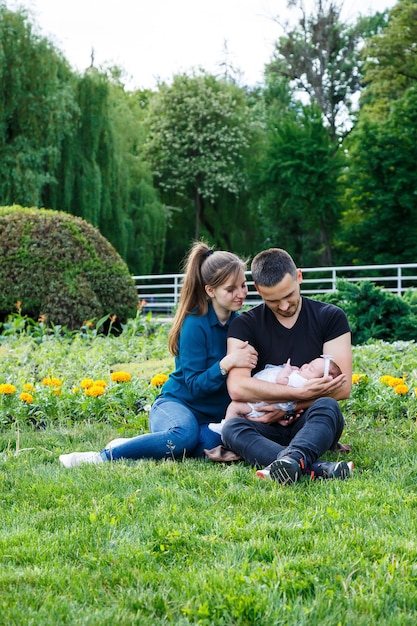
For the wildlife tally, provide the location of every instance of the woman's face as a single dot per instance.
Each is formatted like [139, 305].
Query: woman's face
[231, 294]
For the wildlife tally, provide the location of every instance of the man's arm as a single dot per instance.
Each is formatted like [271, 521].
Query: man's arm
[243, 387]
[341, 351]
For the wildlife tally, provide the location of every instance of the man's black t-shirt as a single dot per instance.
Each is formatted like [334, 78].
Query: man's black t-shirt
[317, 323]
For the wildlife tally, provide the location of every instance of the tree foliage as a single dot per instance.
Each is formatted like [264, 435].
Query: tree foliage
[299, 198]
[36, 108]
[391, 60]
[72, 143]
[321, 56]
[373, 313]
[380, 222]
[198, 136]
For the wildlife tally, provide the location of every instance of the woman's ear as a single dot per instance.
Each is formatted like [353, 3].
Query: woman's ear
[209, 291]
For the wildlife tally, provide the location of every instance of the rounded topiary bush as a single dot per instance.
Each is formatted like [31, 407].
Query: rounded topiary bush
[59, 266]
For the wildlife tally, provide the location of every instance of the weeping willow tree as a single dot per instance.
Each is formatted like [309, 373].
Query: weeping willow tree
[72, 142]
[37, 106]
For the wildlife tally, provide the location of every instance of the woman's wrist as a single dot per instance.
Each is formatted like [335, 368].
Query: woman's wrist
[224, 366]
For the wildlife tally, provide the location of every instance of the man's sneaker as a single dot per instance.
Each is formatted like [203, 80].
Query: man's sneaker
[77, 458]
[322, 470]
[117, 442]
[286, 470]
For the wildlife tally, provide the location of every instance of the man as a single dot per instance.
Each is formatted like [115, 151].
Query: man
[285, 326]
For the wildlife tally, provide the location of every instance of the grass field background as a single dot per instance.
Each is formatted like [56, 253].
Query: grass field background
[193, 542]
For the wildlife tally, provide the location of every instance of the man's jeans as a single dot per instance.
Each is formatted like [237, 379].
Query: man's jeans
[175, 433]
[316, 431]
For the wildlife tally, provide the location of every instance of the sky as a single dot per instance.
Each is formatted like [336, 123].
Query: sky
[154, 39]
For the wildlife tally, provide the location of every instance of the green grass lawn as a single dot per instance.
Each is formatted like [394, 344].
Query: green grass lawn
[195, 542]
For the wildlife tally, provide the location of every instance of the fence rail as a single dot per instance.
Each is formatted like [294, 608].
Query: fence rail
[161, 291]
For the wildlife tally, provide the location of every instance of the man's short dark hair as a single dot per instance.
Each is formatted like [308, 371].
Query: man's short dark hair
[270, 266]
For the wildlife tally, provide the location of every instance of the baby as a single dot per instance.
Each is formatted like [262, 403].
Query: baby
[284, 375]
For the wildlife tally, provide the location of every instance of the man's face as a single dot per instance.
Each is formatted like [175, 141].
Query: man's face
[284, 298]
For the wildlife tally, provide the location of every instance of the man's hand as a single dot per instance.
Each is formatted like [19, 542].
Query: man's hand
[321, 387]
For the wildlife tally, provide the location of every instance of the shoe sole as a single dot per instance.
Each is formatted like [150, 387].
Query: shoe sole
[263, 473]
[283, 472]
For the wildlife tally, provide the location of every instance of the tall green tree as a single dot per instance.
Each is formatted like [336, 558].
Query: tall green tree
[391, 60]
[321, 56]
[37, 105]
[296, 188]
[380, 224]
[199, 132]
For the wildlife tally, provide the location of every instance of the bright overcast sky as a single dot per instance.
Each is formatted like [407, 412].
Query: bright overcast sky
[154, 39]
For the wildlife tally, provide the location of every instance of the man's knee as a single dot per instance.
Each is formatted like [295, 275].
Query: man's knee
[231, 428]
[329, 407]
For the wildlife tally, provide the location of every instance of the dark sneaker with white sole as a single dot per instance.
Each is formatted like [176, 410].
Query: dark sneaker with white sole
[286, 470]
[324, 470]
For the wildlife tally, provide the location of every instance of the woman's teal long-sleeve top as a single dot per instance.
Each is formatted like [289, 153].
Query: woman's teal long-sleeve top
[197, 381]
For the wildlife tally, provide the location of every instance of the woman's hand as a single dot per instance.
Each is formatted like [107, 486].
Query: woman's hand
[242, 356]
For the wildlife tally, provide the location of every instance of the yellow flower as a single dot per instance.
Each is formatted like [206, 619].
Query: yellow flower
[100, 383]
[7, 389]
[401, 389]
[94, 391]
[26, 397]
[120, 377]
[356, 378]
[57, 392]
[385, 380]
[75, 389]
[52, 382]
[159, 379]
[396, 381]
[28, 387]
[86, 383]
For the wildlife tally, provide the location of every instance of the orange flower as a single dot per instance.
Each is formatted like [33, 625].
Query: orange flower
[86, 383]
[94, 391]
[52, 382]
[7, 389]
[159, 379]
[26, 397]
[120, 377]
[401, 389]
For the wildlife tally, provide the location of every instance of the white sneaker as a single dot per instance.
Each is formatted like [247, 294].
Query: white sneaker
[117, 442]
[216, 427]
[77, 458]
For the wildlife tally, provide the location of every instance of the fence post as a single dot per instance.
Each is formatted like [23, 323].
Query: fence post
[399, 284]
[334, 277]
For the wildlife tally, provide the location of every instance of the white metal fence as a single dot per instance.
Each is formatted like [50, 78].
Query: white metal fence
[161, 291]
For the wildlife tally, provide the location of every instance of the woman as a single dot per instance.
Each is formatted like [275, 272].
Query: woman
[195, 394]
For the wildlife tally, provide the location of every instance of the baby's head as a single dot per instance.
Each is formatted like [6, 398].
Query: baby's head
[315, 369]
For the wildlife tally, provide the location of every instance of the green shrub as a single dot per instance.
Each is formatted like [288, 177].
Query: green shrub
[373, 313]
[59, 266]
